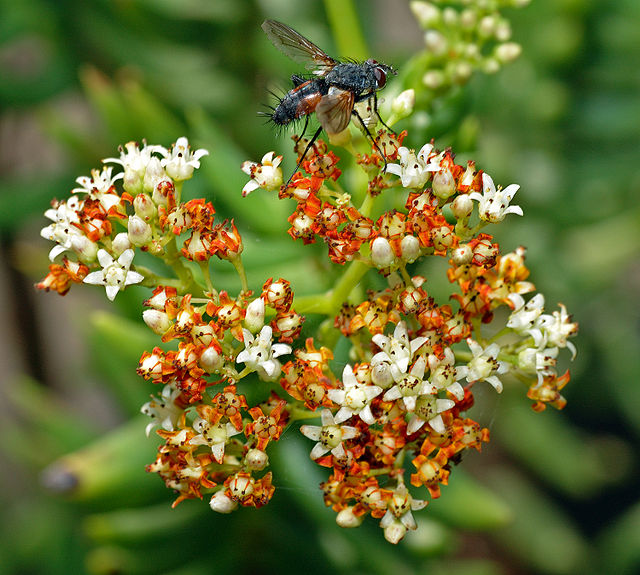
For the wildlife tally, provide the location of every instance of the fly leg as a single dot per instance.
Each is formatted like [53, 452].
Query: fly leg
[375, 109]
[313, 141]
[371, 138]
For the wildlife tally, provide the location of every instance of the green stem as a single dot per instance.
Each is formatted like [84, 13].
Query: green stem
[237, 263]
[343, 287]
[204, 268]
[296, 413]
[345, 25]
[329, 303]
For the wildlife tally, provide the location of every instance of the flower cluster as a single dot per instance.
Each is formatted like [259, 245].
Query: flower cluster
[232, 369]
[463, 36]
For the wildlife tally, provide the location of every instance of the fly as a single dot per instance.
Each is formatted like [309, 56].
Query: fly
[333, 90]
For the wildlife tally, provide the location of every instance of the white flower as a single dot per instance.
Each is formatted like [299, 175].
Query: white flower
[524, 316]
[115, 274]
[398, 518]
[493, 204]
[100, 186]
[267, 174]
[162, 410]
[427, 410]
[354, 398]
[260, 353]
[397, 351]
[445, 375]
[63, 230]
[181, 162]
[409, 386]
[420, 398]
[215, 435]
[329, 437]
[134, 162]
[558, 327]
[414, 171]
[484, 364]
[540, 361]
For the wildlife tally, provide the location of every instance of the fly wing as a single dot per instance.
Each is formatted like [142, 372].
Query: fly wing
[334, 110]
[296, 46]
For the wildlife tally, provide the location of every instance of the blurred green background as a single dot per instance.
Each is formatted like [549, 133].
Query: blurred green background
[553, 493]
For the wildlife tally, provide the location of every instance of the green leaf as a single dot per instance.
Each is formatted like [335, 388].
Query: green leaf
[540, 536]
[117, 345]
[468, 504]
[110, 470]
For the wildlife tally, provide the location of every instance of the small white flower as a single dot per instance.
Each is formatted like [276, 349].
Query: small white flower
[410, 386]
[398, 518]
[134, 162]
[524, 316]
[445, 375]
[267, 174]
[100, 186]
[558, 327]
[415, 170]
[215, 435]
[63, 230]
[397, 351]
[540, 361]
[162, 410]
[427, 409]
[115, 274]
[260, 353]
[493, 204]
[354, 398]
[484, 364]
[181, 162]
[329, 436]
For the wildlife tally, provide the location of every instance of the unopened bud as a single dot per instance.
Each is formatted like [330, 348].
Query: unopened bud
[348, 519]
[442, 238]
[254, 318]
[211, 359]
[487, 26]
[443, 184]
[221, 503]
[410, 248]
[381, 375]
[462, 72]
[120, 244]
[144, 207]
[508, 52]
[426, 13]
[139, 231]
[435, 42]
[462, 255]
[450, 17]
[381, 253]
[462, 207]
[84, 247]
[157, 321]
[153, 175]
[433, 79]
[256, 459]
[403, 103]
[394, 531]
[241, 486]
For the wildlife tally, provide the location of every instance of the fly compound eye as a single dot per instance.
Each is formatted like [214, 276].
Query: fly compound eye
[381, 76]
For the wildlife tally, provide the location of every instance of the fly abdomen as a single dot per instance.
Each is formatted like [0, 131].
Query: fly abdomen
[299, 102]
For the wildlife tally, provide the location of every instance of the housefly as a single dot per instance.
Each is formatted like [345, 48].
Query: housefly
[331, 92]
